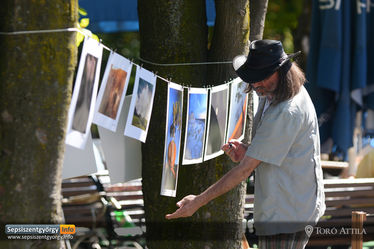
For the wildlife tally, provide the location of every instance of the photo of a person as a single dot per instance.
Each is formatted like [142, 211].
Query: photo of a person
[82, 108]
[172, 140]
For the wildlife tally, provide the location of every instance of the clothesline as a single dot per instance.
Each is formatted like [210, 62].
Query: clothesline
[185, 64]
[75, 29]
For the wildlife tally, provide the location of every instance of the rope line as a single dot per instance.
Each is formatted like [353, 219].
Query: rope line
[185, 64]
[75, 29]
[24, 32]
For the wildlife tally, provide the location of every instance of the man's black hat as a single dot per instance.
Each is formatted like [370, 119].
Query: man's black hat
[264, 58]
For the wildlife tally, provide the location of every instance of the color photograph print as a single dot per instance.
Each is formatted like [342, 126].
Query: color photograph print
[141, 104]
[83, 100]
[112, 92]
[173, 133]
[238, 110]
[217, 122]
[196, 126]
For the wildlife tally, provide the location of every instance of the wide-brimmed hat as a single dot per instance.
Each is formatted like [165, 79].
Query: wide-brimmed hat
[264, 58]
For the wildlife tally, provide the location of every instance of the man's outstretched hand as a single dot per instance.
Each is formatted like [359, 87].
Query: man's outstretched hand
[235, 150]
[186, 207]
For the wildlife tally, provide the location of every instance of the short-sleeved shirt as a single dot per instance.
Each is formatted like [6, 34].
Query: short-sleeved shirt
[288, 182]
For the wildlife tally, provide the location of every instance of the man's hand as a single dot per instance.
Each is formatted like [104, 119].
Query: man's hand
[235, 150]
[187, 207]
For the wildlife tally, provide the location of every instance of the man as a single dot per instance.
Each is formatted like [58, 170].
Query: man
[284, 151]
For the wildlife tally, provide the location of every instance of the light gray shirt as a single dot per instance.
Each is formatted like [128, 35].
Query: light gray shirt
[288, 182]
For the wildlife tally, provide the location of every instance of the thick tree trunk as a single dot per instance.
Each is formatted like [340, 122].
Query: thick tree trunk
[175, 31]
[258, 14]
[170, 31]
[258, 9]
[36, 78]
[230, 38]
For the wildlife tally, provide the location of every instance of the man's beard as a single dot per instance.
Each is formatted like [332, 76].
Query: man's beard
[264, 92]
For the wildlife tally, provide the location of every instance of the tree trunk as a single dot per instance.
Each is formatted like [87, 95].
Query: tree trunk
[258, 9]
[176, 32]
[258, 14]
[36, 79]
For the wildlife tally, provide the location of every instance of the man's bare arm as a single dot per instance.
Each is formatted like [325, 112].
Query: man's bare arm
[190, 204]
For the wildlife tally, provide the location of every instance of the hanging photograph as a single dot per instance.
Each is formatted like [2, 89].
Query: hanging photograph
[217, 122]
[141, 104]
[172, 140]
[83, 100]
[196, 125]
[112, 92]
[238, 110]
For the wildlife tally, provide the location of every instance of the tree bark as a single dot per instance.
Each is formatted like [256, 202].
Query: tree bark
[258, 9]
[176, 32]
[36, 80]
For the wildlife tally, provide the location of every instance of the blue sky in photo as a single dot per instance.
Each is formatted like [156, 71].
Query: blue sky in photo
[198, 105]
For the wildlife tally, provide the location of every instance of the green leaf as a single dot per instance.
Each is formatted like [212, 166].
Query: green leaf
[84, 22]
[79, 39]
[82, 11]
[95, 37]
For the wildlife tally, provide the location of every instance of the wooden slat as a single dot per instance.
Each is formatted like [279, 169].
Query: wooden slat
[77, 179]
[81, 209]
[346, 202]
[339, 212]
[67, 192]
[138, 202]
[333, 183]
[77, 184]
[364, 191]
[120, 196]
[334, 165]
[122, 188]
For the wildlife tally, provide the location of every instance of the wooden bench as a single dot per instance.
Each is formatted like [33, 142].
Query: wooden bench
[343, 196]
[91, 202]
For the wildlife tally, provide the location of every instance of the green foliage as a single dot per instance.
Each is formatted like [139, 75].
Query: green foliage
[82, 24]
[124, 43]
[82, 11]
[281, 19]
